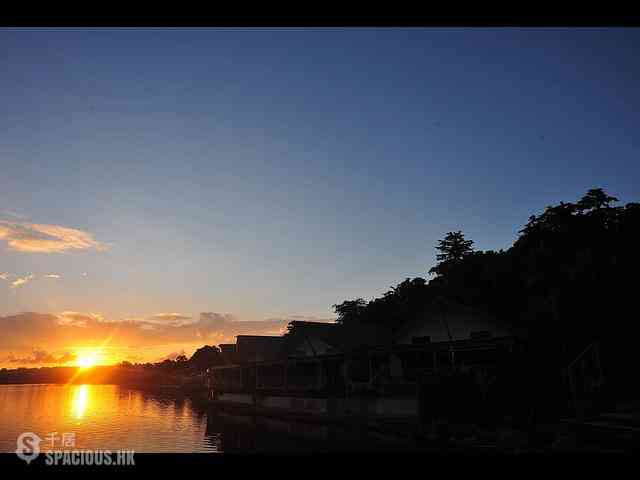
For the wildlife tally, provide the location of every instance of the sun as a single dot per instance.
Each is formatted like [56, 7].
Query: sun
[87, 360]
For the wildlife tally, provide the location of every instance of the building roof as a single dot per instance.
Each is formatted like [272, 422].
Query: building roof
[316, 337]
[258, 348]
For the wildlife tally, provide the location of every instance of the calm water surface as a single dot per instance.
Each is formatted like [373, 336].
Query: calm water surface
[106, 417]
[111, 417]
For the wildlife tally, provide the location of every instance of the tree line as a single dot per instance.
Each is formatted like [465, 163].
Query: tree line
[568, 279]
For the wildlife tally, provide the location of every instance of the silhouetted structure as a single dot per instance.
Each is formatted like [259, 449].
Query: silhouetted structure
[530, 335]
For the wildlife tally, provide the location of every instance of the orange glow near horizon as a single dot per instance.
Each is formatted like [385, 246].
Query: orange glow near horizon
[90, 355]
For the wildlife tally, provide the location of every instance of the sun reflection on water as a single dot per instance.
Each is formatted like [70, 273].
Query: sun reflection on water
[80, 400]
[102, 417]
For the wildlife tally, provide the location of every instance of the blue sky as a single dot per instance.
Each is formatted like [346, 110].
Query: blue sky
[270, 173]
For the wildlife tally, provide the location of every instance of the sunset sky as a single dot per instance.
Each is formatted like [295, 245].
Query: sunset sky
[165, 189]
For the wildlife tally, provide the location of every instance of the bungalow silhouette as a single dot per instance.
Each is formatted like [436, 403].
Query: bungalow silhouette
[360, 369]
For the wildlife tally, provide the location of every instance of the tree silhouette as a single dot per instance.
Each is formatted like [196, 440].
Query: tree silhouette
[205, 357]
[566, 281]
[453, 248]
[349, 310]
[595, 199]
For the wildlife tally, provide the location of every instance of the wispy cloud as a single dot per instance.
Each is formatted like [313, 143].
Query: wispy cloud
[144, 338]
[78, 319]
[87, 328]
[173, 318]
[51, 275]
[172, 355]
[39, 357]
[22, 280]
[14, 215]
[45, 238]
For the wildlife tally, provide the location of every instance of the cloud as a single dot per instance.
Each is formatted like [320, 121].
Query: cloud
[25, 330]
[309, 318]
[39, 357]
[22, 280]
[226, 326]
[51, 275]
[78, 319]
[134, 358]
[67, 357]
[217, 318]
[13, 215]
[143, 338]
[45, 238]
[172, 356]
[175, 318]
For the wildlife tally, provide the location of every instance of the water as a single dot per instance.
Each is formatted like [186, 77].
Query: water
[106, 417]
[111, 417]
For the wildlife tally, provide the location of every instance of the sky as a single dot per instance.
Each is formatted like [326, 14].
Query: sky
[197, 183]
